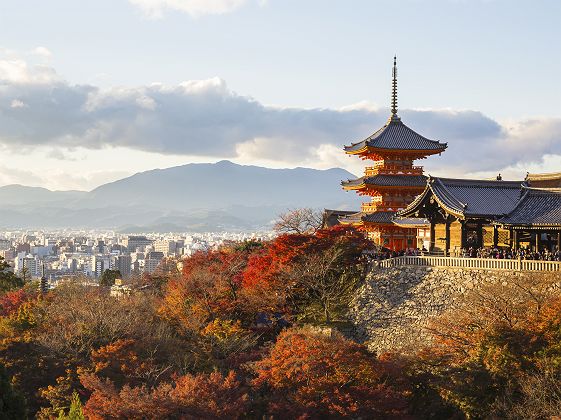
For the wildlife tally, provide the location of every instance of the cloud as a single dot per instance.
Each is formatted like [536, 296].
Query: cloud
[16, 70]
[43, 52]
[195, 8]
[205, 118]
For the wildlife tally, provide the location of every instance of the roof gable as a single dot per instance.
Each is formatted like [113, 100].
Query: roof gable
[470, 198]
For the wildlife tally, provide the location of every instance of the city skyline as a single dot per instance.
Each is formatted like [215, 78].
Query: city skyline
[165, 83]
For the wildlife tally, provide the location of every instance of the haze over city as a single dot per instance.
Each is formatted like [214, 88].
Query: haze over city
[91, 92]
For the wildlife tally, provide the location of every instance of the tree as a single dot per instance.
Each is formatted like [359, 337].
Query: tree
[8, 280]
[309, 374]
[309, 277]
[188, 397]
[12, 403]
[299, 221]
[108, 277]
[501, 337]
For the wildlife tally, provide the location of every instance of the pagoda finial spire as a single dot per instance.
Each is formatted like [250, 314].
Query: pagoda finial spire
[394, 89]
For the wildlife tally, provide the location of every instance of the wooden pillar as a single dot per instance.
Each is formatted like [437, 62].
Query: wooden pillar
[432, 236]
[463, 234]
[447, 231]
[480, 241]
[495, 236]
[515, 239]
[559, 240]
[537, 241]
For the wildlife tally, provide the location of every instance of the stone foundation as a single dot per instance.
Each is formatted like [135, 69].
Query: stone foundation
[392, 309]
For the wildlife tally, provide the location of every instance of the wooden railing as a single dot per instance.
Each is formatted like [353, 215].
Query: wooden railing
[476, 263]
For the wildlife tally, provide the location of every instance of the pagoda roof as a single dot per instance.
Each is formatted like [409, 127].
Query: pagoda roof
[387, 181]
[537, 208]
[384, 217]
[395, 135]
[471, 198]
[411, 222]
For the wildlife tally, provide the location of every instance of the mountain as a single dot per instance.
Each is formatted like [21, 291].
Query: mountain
[219, 196]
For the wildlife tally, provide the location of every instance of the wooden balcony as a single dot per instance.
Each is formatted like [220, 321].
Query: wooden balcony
[393, 170]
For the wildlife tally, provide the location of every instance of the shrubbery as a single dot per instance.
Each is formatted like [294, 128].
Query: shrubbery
[244, 332]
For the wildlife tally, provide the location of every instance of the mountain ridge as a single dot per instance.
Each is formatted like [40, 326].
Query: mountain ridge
[243, 195]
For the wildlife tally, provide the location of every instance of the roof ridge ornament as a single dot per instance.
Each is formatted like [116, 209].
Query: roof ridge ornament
[394, 116]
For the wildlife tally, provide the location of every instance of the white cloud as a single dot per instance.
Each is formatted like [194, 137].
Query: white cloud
[14, 69]
[16, 103]
[43, 52]
[205, 119]
[195, 8]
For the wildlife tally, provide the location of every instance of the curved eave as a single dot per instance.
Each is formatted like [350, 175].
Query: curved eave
[356, 223]
[387, 151]
[414, 206]
[377, 224]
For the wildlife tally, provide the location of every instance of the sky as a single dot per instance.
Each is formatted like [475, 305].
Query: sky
[95, 90]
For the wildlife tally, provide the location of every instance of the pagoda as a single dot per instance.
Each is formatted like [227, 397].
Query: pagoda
[391, 181]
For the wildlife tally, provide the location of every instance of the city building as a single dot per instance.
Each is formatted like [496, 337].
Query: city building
[152, 261]
[124, 263]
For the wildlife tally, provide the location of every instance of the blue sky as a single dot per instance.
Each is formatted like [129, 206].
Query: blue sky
[478, 74]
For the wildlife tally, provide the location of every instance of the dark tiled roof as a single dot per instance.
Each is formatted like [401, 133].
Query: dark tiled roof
[396, 135]
[331, 217]
[411, 222]
[378, 217]
[538, 207]
[470, 197]
[388, 180]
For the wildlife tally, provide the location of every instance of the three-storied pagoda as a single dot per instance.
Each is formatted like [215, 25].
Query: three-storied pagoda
[392, 181]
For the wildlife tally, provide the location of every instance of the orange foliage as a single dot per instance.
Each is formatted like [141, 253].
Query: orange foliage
[11, 301]
[188, 397]
[314, 375]
[207, 289]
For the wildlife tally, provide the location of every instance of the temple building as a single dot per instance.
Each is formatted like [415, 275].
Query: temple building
[392, 181]
[463, 213]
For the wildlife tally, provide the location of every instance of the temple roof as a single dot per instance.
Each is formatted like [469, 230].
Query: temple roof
[536, 208]
[469, 197]
[388, 181]
[395, 135]
[331, 217]
[548, 180]
[377, 217]
[411, 222]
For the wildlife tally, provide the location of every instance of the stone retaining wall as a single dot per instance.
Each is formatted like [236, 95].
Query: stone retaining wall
[393, 307]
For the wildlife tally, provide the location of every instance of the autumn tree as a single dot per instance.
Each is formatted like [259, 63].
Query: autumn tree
[497, 335]
[187, 397]
[309, 277]
[207, 290]
[299, 221]
[310, 374]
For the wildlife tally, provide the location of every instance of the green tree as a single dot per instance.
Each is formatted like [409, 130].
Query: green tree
[8, 280]
[12, 403]
[108, 277]
[75, 412]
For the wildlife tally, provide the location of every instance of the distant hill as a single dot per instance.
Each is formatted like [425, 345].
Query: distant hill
[208, 196]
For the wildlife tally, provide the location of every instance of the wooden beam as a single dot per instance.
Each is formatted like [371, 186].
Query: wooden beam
[432, 236]
[447, 235]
